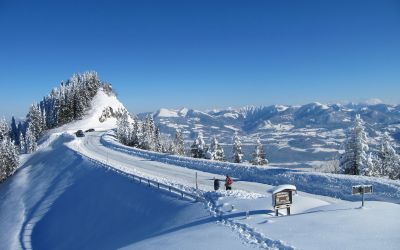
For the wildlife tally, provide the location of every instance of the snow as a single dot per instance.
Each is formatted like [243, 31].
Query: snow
[100, 102]
[333, 185]
[321, 212]
[280, 188]
[167, 113]
[372, 101]
[231, 127]
[79, 193]
[61, 200]
[342, 225]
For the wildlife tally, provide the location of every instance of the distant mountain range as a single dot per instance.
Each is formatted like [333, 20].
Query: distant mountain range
[296, 136]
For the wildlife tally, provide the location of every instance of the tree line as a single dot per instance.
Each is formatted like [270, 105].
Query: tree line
[358, 159]
[64, 104]
[145, 134]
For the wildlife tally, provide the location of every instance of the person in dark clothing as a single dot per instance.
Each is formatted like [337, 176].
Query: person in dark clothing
[228, 183]
[216, 184]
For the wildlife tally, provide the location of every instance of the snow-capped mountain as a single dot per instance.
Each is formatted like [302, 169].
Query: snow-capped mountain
[304, 134]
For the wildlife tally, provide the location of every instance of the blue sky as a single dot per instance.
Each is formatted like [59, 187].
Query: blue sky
[202, 54]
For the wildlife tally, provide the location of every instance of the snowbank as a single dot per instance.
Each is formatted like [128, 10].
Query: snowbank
[333, 185]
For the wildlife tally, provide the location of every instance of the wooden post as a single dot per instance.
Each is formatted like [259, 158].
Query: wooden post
[362, 194]
[196, 182]
[276, 212]
[288, 210]
[158, 185]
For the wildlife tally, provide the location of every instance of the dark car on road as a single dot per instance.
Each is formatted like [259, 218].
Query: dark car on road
[79, 133]
[90, 130]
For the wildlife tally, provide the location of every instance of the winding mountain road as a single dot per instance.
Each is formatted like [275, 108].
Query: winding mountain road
[92, 147]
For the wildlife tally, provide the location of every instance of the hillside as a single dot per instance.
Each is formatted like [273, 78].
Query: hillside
[94, 193]
[294, 136]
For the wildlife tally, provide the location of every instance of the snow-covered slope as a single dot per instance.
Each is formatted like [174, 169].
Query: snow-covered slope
[60, 200]
[102, 115]
[64, 196]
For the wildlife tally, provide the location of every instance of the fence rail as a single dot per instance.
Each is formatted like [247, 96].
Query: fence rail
[173, 190]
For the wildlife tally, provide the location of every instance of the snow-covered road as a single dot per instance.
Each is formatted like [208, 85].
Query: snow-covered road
[317, 220]
[93, 148]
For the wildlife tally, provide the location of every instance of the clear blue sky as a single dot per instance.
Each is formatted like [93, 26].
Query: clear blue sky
[202, 54]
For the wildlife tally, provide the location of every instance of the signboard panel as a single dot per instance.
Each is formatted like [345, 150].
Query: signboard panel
[362, 189]
[282, 198]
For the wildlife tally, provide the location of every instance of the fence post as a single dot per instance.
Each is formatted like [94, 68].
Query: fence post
[196, 182]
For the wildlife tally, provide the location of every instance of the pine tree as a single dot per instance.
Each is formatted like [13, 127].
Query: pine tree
[148, 134]
[124, 131]
[178, 145]
[353, 160]
[35, 119]
[4, 130]
[373, 166]
[237, 149]
[30, 139]
[8, 152]
[22, 144]
[215, 151]
[259, 157]
[158, 147]
[198, 148]
[14, 133]
[136, 132]
[389, 159]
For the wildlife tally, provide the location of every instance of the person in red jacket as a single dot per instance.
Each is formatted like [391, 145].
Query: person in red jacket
[228, 183]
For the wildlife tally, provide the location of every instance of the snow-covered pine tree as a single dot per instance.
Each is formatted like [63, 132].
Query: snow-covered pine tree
[237, 149]
[92, 82]
[34, 118]
[373, 166]
[78, 96]
[8, 152]
[124, 130]
[178, 144]
[4, 129]
[389, 159]
[215, 151]
[22, 144]
[136, 134]
[30, 139]
[148, 130]
[259, 157]
[198, 148]
[353, 160]
[158, 147]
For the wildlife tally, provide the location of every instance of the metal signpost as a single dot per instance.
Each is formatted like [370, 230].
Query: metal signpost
[361, 190]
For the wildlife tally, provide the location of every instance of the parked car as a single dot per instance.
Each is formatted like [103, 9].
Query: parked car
[79, 133]
[90, 130]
